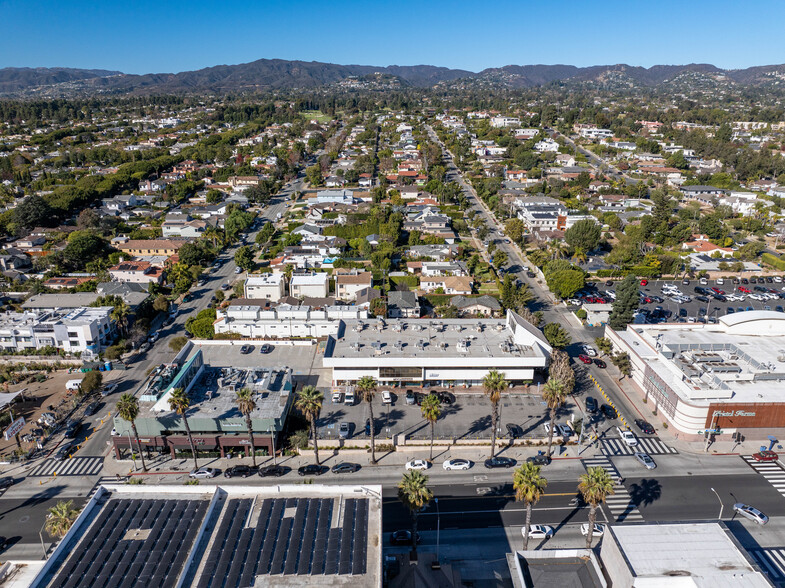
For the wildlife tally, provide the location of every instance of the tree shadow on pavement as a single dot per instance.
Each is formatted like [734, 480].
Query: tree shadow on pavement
[645, 493]
[478, 426]
[331, 418]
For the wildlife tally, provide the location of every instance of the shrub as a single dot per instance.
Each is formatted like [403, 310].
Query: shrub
[581, 314]
[773, 261]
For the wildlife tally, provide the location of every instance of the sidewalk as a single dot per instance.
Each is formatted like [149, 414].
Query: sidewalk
[166, 468]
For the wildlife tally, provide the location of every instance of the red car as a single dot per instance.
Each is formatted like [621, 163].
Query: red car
[766, 456]
[644, 282]
[585, 358]
[745, 290]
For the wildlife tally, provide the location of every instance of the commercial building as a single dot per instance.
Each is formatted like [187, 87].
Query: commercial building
[265, 287]
[216, 424]
[222, 536]
[678, 554]
[79, 330]
[723, 378]
[451, 351]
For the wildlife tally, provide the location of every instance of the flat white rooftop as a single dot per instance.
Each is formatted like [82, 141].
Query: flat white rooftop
[686, 554]
[741, 358]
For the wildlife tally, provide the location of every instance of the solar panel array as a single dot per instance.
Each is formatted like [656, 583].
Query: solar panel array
[303, 544]
[105, 559]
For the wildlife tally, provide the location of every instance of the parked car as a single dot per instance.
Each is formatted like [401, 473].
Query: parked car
[591, 405]
[457, 464]
[410, 399]
[499, 462]
[541, 459]
[403, 537]
[538, 531]
[751, 513]
[585, 358]
[608, 412]
[64, 451]
[337, 397]
[311, 470]
[91, 409]
[563, 430]
[446, 397]
[386, 397]
[273, 470]
[599, 363]
[6, 482]
[203, 473]
[344, 430]
[345, 468]
[417, 464]
[246, 349]
[645, 460]
[599, 530]
[109, 389]
[239, 471]
[644, 426]
[514, 431]
[766, 456]
[72, 429]
[266, 348]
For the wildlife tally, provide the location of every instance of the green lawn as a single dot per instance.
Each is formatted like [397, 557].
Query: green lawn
[318, 115]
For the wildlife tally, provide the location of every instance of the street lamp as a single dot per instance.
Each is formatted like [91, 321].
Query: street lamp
[720, 499]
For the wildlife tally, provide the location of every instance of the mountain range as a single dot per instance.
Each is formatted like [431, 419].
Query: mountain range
[272, 74]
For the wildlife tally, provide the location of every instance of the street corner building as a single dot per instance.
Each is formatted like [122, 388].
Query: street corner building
[419, 352]
[718, 379]
[217, 425]
[222, 536]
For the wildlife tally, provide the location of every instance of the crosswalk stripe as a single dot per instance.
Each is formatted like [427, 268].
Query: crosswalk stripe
[620, 504]
[76, 466]
[651, 445]
[764, 561]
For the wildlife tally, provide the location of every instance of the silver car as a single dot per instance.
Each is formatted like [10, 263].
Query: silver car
[645, 460]
[343, 431]
[751, 513]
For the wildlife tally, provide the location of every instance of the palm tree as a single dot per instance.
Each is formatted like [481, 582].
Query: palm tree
[595, 486]
[214, 235]
[415, 494]
[557, 249]
[179, 403]
[553, 394]
[579, 255]
[60, 518]
[128, 409]
[431, 411]
[309, 402]
[120, 316]
[246, 404]
[493, 384]
[529, 488]
[366, 386]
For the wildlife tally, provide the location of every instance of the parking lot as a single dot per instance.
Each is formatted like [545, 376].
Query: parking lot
[694, 310]
[468, 417]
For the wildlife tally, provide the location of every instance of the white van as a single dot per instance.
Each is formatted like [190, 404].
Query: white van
[349, 398]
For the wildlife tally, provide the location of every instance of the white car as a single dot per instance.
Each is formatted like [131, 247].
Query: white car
[628, 437]
[203, 473]
[589, 351]
[777, 279]
[386, 397]
[645, 460]
[238, 270]
[538, 531]
[751, 513]
[720, 281]
[704, 281]
[457, 464]
[599, 530]
[417, 464]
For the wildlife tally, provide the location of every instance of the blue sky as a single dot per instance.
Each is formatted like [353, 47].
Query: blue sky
[140, 36]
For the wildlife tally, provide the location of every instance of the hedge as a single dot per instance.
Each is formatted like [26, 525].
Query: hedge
[774, 261]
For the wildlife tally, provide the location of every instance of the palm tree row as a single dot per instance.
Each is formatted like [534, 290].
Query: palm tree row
[594, 486]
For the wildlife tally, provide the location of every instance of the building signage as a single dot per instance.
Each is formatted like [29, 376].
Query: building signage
[14, 428]
[730, 413]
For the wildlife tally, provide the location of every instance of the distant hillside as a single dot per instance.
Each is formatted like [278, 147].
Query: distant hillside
[21, 78]
[266, 74]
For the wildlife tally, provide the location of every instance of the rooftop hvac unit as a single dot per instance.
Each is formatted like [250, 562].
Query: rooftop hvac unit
[499, 327]
[479, 327]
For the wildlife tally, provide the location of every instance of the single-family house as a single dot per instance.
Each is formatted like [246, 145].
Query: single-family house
[347, 285]
[403, 305]
[265, 287]
[315, 285]
[449, 284]
[136, 272]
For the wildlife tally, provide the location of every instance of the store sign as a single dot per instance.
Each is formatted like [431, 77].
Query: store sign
[730, 413]
[14, 428]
